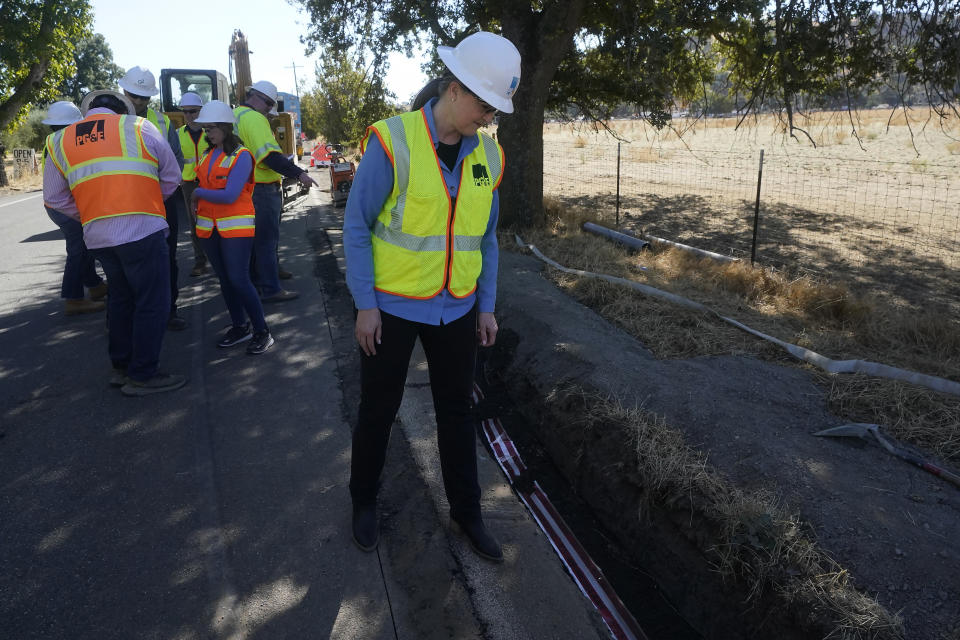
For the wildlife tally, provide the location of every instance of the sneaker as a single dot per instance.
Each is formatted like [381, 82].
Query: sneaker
[157, 384]
[260, 342]
[73, 307]
[281, 296]
[98, 292]
[176, 323]
[235, 335]
[118, 377]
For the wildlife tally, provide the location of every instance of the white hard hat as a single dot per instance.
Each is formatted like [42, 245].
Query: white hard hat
[62, 112]
[87, 99]
[488, 65]
[216, 111]
[190, 99]
[268, 89]
[140, 82]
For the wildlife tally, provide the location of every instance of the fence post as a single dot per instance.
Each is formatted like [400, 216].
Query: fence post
[756, 212]
[618, 185]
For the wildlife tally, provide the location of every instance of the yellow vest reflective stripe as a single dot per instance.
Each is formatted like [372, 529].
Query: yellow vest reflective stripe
[160, 121]
[256, 135]
[191, 152]
[420, 246]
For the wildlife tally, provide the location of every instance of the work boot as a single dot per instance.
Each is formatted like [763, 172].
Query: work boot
[483, 544]
[98, 292]
[76, 306]
[157, 384]
[366, 528]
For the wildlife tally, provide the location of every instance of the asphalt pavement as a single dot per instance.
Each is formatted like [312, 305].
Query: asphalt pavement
[221, 510]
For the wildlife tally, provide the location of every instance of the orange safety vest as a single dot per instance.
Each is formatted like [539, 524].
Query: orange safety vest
[234, 220]
[108, 167]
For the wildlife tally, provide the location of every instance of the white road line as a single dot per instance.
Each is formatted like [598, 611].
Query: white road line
[7, 204]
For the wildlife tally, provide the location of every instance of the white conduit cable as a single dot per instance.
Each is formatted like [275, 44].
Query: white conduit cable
[830, 366]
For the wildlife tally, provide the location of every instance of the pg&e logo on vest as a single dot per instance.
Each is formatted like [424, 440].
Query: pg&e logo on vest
[480, 176]
[90, 132]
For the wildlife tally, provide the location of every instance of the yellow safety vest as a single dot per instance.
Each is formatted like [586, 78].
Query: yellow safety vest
[256, 135]
[421, 244]
[160, 121]
[191, 152]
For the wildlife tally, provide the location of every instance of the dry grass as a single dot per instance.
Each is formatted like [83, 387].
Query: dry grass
[818, 315]
[753, 537]
[26, 182]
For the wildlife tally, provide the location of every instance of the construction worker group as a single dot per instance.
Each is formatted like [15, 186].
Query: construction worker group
[116, 177]
[419, 239]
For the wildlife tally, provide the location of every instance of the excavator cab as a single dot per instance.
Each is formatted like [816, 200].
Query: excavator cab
[207, 83]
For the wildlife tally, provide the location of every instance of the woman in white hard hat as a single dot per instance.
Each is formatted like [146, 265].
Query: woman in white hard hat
[80, 269]
[421, 249]
[223, 201]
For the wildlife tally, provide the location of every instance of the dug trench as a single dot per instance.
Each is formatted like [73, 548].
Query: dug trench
[750, 525]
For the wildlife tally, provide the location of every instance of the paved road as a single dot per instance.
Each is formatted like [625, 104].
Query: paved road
[221, 510]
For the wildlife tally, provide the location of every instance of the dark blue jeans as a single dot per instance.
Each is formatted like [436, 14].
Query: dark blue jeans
[230, 259]
[451, 351]
[267, 202]
[138, 304]
[172, 206]
[79, 270]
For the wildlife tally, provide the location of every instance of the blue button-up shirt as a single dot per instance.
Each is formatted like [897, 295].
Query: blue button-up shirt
[371, 187]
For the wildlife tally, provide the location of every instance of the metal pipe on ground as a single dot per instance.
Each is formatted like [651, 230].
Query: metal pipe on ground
[624, 239]
[699, 252]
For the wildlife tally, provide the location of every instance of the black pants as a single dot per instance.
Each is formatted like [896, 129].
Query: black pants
[172, 206]
[451, 352]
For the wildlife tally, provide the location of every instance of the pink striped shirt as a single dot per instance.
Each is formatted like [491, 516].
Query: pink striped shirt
[111, 232]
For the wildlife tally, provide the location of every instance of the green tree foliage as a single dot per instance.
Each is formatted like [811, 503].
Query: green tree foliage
[657, 54]
[345, 101]
[95, 69]
[36, 51]
[30, 133]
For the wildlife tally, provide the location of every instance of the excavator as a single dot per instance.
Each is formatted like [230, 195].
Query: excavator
[210, 84]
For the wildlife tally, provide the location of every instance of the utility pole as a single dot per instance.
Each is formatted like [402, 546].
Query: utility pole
[296, 86]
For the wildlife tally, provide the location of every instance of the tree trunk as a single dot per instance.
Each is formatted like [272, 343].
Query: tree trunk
[542, 39]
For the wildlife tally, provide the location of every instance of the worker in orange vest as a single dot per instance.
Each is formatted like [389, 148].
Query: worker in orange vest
[116, 170]
[226, 220]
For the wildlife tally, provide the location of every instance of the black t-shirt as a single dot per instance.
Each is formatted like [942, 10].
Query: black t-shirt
[448, 153]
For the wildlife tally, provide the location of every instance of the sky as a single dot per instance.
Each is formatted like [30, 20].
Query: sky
[196, 35]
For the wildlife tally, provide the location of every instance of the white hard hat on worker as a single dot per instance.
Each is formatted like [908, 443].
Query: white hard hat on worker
[486, 64]
[267, 90]
[215, 112]
[140, 82]
[62, 113]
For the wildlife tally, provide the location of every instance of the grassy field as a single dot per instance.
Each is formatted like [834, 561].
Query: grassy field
[879, 212]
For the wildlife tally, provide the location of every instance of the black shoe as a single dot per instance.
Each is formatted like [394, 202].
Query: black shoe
[157, 384]
[282, 296]
[176, 323]
[284, 274]
[484, 544]
[260, 342]
[235, 335]
[366, 528]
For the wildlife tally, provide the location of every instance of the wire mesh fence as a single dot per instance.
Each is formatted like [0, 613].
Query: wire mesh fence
[890, 227]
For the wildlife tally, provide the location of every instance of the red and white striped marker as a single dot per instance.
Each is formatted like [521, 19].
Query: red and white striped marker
[584, 571]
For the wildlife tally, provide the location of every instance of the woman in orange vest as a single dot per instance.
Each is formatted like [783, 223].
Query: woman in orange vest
[223, 202]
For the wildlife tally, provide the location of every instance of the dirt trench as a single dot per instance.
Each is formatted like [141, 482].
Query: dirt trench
[890, 528]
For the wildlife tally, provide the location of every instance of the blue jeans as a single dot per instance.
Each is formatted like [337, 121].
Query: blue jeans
[172, 206]
[79, 270]
[138, 304]
[230, 259]
[267, 202]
